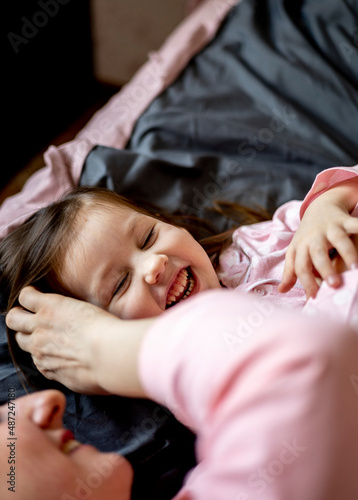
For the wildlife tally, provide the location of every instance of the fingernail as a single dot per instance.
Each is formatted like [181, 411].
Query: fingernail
[333, 280]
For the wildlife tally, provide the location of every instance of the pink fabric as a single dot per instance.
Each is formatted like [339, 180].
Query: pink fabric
[275, 413]
[255, 260]
[63, 170]
[326, 179]
[112, 125]
[337, 304]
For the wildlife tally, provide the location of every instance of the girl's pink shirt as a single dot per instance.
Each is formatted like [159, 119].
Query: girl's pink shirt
[255, 260]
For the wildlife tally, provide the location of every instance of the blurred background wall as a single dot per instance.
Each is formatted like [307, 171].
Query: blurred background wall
[124, 31]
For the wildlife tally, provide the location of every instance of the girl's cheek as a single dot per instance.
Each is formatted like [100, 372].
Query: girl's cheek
[139, 308]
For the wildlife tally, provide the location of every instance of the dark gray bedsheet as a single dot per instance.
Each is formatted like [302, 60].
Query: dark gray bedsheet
[253, 118]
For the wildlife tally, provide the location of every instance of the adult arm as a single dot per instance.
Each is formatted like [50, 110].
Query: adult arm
[269, 393]
[262, 388]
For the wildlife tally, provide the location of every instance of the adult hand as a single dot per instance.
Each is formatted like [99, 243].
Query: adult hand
[326, 225]
[76, 343]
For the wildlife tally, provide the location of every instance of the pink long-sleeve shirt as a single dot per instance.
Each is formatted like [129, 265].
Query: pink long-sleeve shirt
[271, 393]
[275, 413]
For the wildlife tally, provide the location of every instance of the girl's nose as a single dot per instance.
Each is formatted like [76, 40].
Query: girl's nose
[45, 408]
[154, 267]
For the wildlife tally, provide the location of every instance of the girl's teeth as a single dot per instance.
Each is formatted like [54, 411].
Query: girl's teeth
[70, 445]
[181, 283]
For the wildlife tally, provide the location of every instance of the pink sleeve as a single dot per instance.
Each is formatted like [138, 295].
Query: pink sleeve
[325, 180]
[264, 390]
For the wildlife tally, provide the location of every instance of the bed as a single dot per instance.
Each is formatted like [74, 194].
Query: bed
[246, 101]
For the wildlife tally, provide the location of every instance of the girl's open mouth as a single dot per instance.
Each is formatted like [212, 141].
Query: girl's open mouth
[69, 444]
[181, 288]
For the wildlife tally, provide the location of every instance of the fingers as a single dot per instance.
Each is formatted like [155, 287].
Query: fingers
[350, 224]
[299, 265]
[345, 250]
[319, 257]
[20, 320]
[35, 344]
[289, 277]
[31, 299]
[310, 258]
[24, 341]
[42, 358]
[304, 272]
[346, 246]
[46, 354]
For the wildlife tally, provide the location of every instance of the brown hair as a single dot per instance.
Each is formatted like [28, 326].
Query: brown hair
[33, 253]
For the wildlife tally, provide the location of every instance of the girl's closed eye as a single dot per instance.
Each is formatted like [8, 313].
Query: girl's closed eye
[149, 239]
[120, 285]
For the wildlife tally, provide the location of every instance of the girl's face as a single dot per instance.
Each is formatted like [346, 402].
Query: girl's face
[133, 265]
[45, 463]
